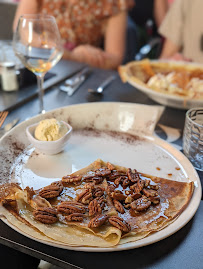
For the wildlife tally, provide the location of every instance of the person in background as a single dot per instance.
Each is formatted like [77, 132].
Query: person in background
[182, 29]
[92, 31]
[145, 10]
[143, 20]
[170, 2]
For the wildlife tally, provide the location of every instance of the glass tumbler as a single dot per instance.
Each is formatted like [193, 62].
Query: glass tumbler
[193, 137]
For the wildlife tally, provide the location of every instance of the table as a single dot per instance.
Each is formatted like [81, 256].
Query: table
[27, 80]
[182, 250]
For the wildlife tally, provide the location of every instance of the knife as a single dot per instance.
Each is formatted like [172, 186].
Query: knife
[76, 77]
[71, 89]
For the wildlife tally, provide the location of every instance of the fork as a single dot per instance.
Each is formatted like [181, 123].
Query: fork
[3, 115]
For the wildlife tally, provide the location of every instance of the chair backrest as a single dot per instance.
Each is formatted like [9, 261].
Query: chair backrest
[7, 13]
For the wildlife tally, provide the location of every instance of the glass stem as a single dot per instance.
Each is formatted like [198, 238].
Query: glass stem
[40, 80]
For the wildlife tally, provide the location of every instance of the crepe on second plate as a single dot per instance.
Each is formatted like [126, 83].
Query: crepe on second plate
[101, 205]
[184, 80]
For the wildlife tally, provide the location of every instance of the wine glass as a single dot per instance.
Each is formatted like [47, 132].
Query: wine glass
[37, 44]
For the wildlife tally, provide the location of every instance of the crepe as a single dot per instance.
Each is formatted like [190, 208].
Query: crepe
[184, 80]
[101, 205]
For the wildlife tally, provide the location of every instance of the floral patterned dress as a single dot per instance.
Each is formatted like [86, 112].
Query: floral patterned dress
[82, 21]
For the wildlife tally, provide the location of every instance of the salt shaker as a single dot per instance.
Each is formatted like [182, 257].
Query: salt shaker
[9, 80]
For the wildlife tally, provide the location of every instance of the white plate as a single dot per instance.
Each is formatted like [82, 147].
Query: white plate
[164, 98]
[20, 162]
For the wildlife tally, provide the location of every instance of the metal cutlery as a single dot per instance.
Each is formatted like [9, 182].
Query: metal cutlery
[75, 83]
[71, 89]
[72, 81]
[8, 126]
[103, 85]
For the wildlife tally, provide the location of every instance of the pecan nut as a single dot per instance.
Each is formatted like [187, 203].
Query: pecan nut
[141, 204]
[85, 196]
[98, 192]
[133, 175]
[136, 196]
[89, 175]
[71, 179]
[94, 208]
[45, 215]
[118, 206]
[10, 204]
[118, 195]
[103, 172]
[75, 217]
[129, 199]
[154, 186]
[155, 200]
[126, 182]
[52, 190]
[97, 180]
[150, 193]
[147, 183]
[110, 189]
[120, 224]
[137, 187]
[114, 174]
[127, 206]
[69, 207]
[97, 221]
[82, 194]
[119, 180]
[89, 185]
[110, 166]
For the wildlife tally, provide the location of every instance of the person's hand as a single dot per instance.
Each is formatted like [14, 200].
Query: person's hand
[179, 57]
[93, 56]
[89, 54]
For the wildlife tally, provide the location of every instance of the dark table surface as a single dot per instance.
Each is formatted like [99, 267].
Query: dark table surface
[184, 249]
[27, 81]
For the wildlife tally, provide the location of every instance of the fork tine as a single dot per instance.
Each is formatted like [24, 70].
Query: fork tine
[3, 116]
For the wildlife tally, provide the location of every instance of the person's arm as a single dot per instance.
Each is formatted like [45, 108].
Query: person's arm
[114, 46]
[115, 38]
[24, 7]
[172, 29]
[169, 49]
[160, 10]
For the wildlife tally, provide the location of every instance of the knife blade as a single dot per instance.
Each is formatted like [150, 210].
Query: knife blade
[72, 81]
[70, 90]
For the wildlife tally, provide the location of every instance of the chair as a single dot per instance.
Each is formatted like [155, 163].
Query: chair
[7, 13]
[150, 50]
[142, 42]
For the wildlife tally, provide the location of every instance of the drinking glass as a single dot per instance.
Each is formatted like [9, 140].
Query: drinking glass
[193, 137]
[37, 44]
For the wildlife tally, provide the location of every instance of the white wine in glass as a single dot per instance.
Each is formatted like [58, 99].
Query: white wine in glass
[37, 44]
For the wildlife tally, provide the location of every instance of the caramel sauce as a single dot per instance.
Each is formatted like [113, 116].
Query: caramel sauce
[68, 193]
[158, 168]
[170, 174]
[177, 168]
[164, 206]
